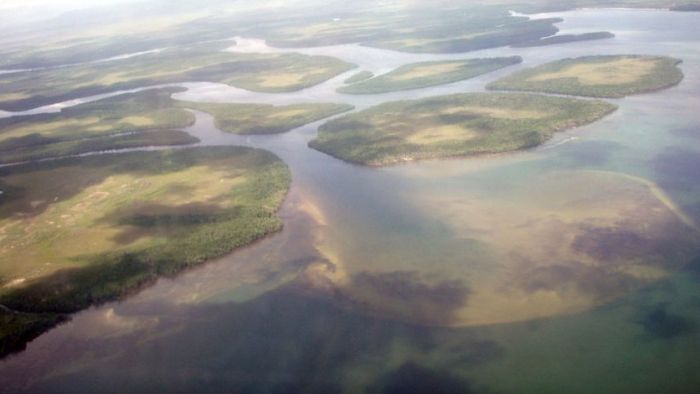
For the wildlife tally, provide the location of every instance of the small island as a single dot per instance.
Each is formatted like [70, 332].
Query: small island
[424, 74]
[82, 231]
[258, 72]
[238, 118]
[359, 77]
[147, 118]
[613, 76]
[686, 7]
[453, 125]
[564, 39]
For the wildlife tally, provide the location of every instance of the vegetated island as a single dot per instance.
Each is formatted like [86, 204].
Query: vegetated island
[269, 73]
[612, 76]
[424, 74]
[453, 125]
[564, 38]
[147, 118]
[359, 77]
[81, 231]
[686, 7]
[240, 118]
[421, 29]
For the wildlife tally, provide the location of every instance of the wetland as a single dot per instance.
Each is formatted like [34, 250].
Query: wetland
[569, 266]
[451, 126]
[597, 76]
[421, 75]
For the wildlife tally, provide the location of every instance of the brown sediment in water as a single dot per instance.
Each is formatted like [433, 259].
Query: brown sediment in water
[597, 237]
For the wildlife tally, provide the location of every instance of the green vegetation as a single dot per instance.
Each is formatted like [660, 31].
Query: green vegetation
[489, 33]
[266, 119]
[204, 63]
[557, 5]
[420, 75]
[132, 120]
[148, 118]
[97, 144]
[454, 125]
[125, 38]
[72, 38]
[359, 77]
[16, 329]
[597, 76]
[442, 27]
[564, 38]
[687, 7]
[82, 231]
[436, 30]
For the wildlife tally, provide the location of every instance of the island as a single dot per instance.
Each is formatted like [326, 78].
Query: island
[259, 72]
[434, 30]
[694, 7]
[425, 74]
[359, 77]
[611, 76]
[82, 231]
[241, 118]
[564, 39]
[147, 118]
[453, 125]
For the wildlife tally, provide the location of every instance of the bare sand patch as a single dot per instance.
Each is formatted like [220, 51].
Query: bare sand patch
[13, 96]
[495, 112]
[138, 120]
[438, 134]
[621, 71]
[288, 113]
[427, 71]
[280, 80]
[419, 42]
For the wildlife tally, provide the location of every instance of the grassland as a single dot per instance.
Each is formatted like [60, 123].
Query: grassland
[435, 27]
[147, 118]
[270, 73]
[436, 30]
[420, 75]
[266, 119]
[454, 125]
[78, 232]
[72, 43]
[99, 144]
[564, 38]
[597, 76]
[79, 38]
[487, 34]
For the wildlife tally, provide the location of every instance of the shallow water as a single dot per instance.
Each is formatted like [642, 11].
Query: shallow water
[492, 273]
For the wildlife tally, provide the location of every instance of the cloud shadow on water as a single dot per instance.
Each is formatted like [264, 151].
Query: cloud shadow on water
[660, 323]
[412, 378]
[286, 341]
